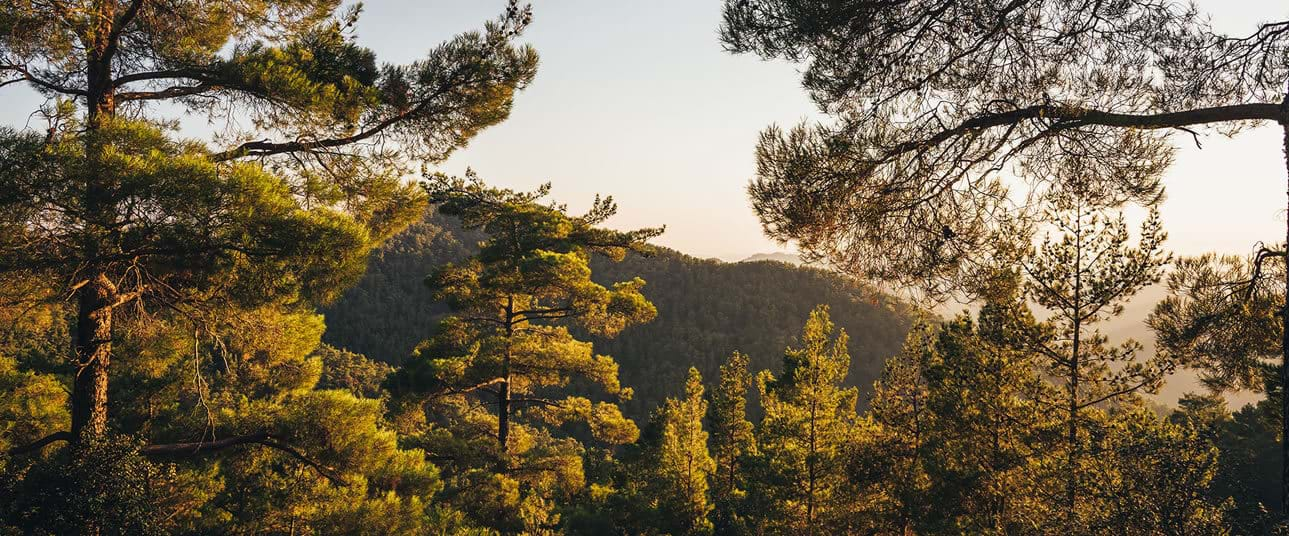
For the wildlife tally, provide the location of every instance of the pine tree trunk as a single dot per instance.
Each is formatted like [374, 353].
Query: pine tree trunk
[93, 355]
[503, 392]
[810, 469]
[503, 414]
[1071, 498]
[1284, 347]
[96, 296]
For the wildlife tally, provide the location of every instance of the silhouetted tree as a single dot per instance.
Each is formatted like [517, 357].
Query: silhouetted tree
[931, 98]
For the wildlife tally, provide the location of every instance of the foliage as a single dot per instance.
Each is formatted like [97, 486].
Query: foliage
[100, 486]
[961, 415]
[177, 277]
[1222, 318]
[1083, 278]
[901, 182]
[732, 442]
[342, 369]
[802, 441]
[706, 310]
[666, 478]
[508, 342]
[933, 104]
[1246, 443]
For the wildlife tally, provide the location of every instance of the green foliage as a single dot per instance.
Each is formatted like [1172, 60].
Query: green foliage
[732, 442]
[707, 310]
[1152, 476]
[677, 465]
[1246, 442]
[185, 228]
[960, 417]
[201, 260]
[1083, 278]
[803, 438]
[1222, 318]
[342, 369]
[685, 459]
[32, 406]
[508, 343]
[966, 441]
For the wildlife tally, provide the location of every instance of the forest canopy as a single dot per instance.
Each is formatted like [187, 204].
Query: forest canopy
[294, 321]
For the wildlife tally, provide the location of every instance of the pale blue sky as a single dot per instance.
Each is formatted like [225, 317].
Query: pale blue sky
[637, 100]
[632, 99]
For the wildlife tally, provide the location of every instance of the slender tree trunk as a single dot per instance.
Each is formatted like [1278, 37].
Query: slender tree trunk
[503, 392]
[1284, 347]
[1072, 432]
[810, 465]
[1072, 437]
[503, 413]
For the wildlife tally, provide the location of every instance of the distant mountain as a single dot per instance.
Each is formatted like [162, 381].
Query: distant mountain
[706, 310]
[787, 258]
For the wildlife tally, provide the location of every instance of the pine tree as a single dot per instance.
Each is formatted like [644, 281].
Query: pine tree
[494, 377]
[971, 445]
[961, 414]
[897, 184]
[123, 217]
[809, 419]
[681, 464]
[1083, 278]
[1152, 476]
[733, 441]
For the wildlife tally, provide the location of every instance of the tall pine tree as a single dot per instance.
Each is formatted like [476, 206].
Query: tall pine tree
[494, 380]
[733, 441]
[809, 421]
[281, 206]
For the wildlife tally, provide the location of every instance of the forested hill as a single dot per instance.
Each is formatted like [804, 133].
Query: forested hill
[706, 310]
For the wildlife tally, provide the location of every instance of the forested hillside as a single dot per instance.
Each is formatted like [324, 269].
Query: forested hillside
[499, 365]
[707, 309]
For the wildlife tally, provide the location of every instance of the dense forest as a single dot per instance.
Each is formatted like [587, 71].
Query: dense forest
[298, 324]
[707, 309]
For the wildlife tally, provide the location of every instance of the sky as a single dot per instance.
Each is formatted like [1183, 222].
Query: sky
[638, 100]
[632, 99]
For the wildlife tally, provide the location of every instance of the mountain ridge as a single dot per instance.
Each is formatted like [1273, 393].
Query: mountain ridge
[707, 309]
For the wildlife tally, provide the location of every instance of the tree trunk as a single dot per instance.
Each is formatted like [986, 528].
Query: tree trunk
[93, 355]
[503, 414]
[96, 297]
[503, 391]
[1072, 432]
[810, 462]
[1284, 347]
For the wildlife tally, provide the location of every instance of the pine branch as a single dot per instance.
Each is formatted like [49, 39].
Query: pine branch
[41, 443]
[258, 438]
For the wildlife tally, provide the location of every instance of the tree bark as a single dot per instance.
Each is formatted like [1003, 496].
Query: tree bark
[1073, 425]
[93, 355]
[96, 298]
[259, 438]
[1284, 347]
[503, 414]
[503, 391]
